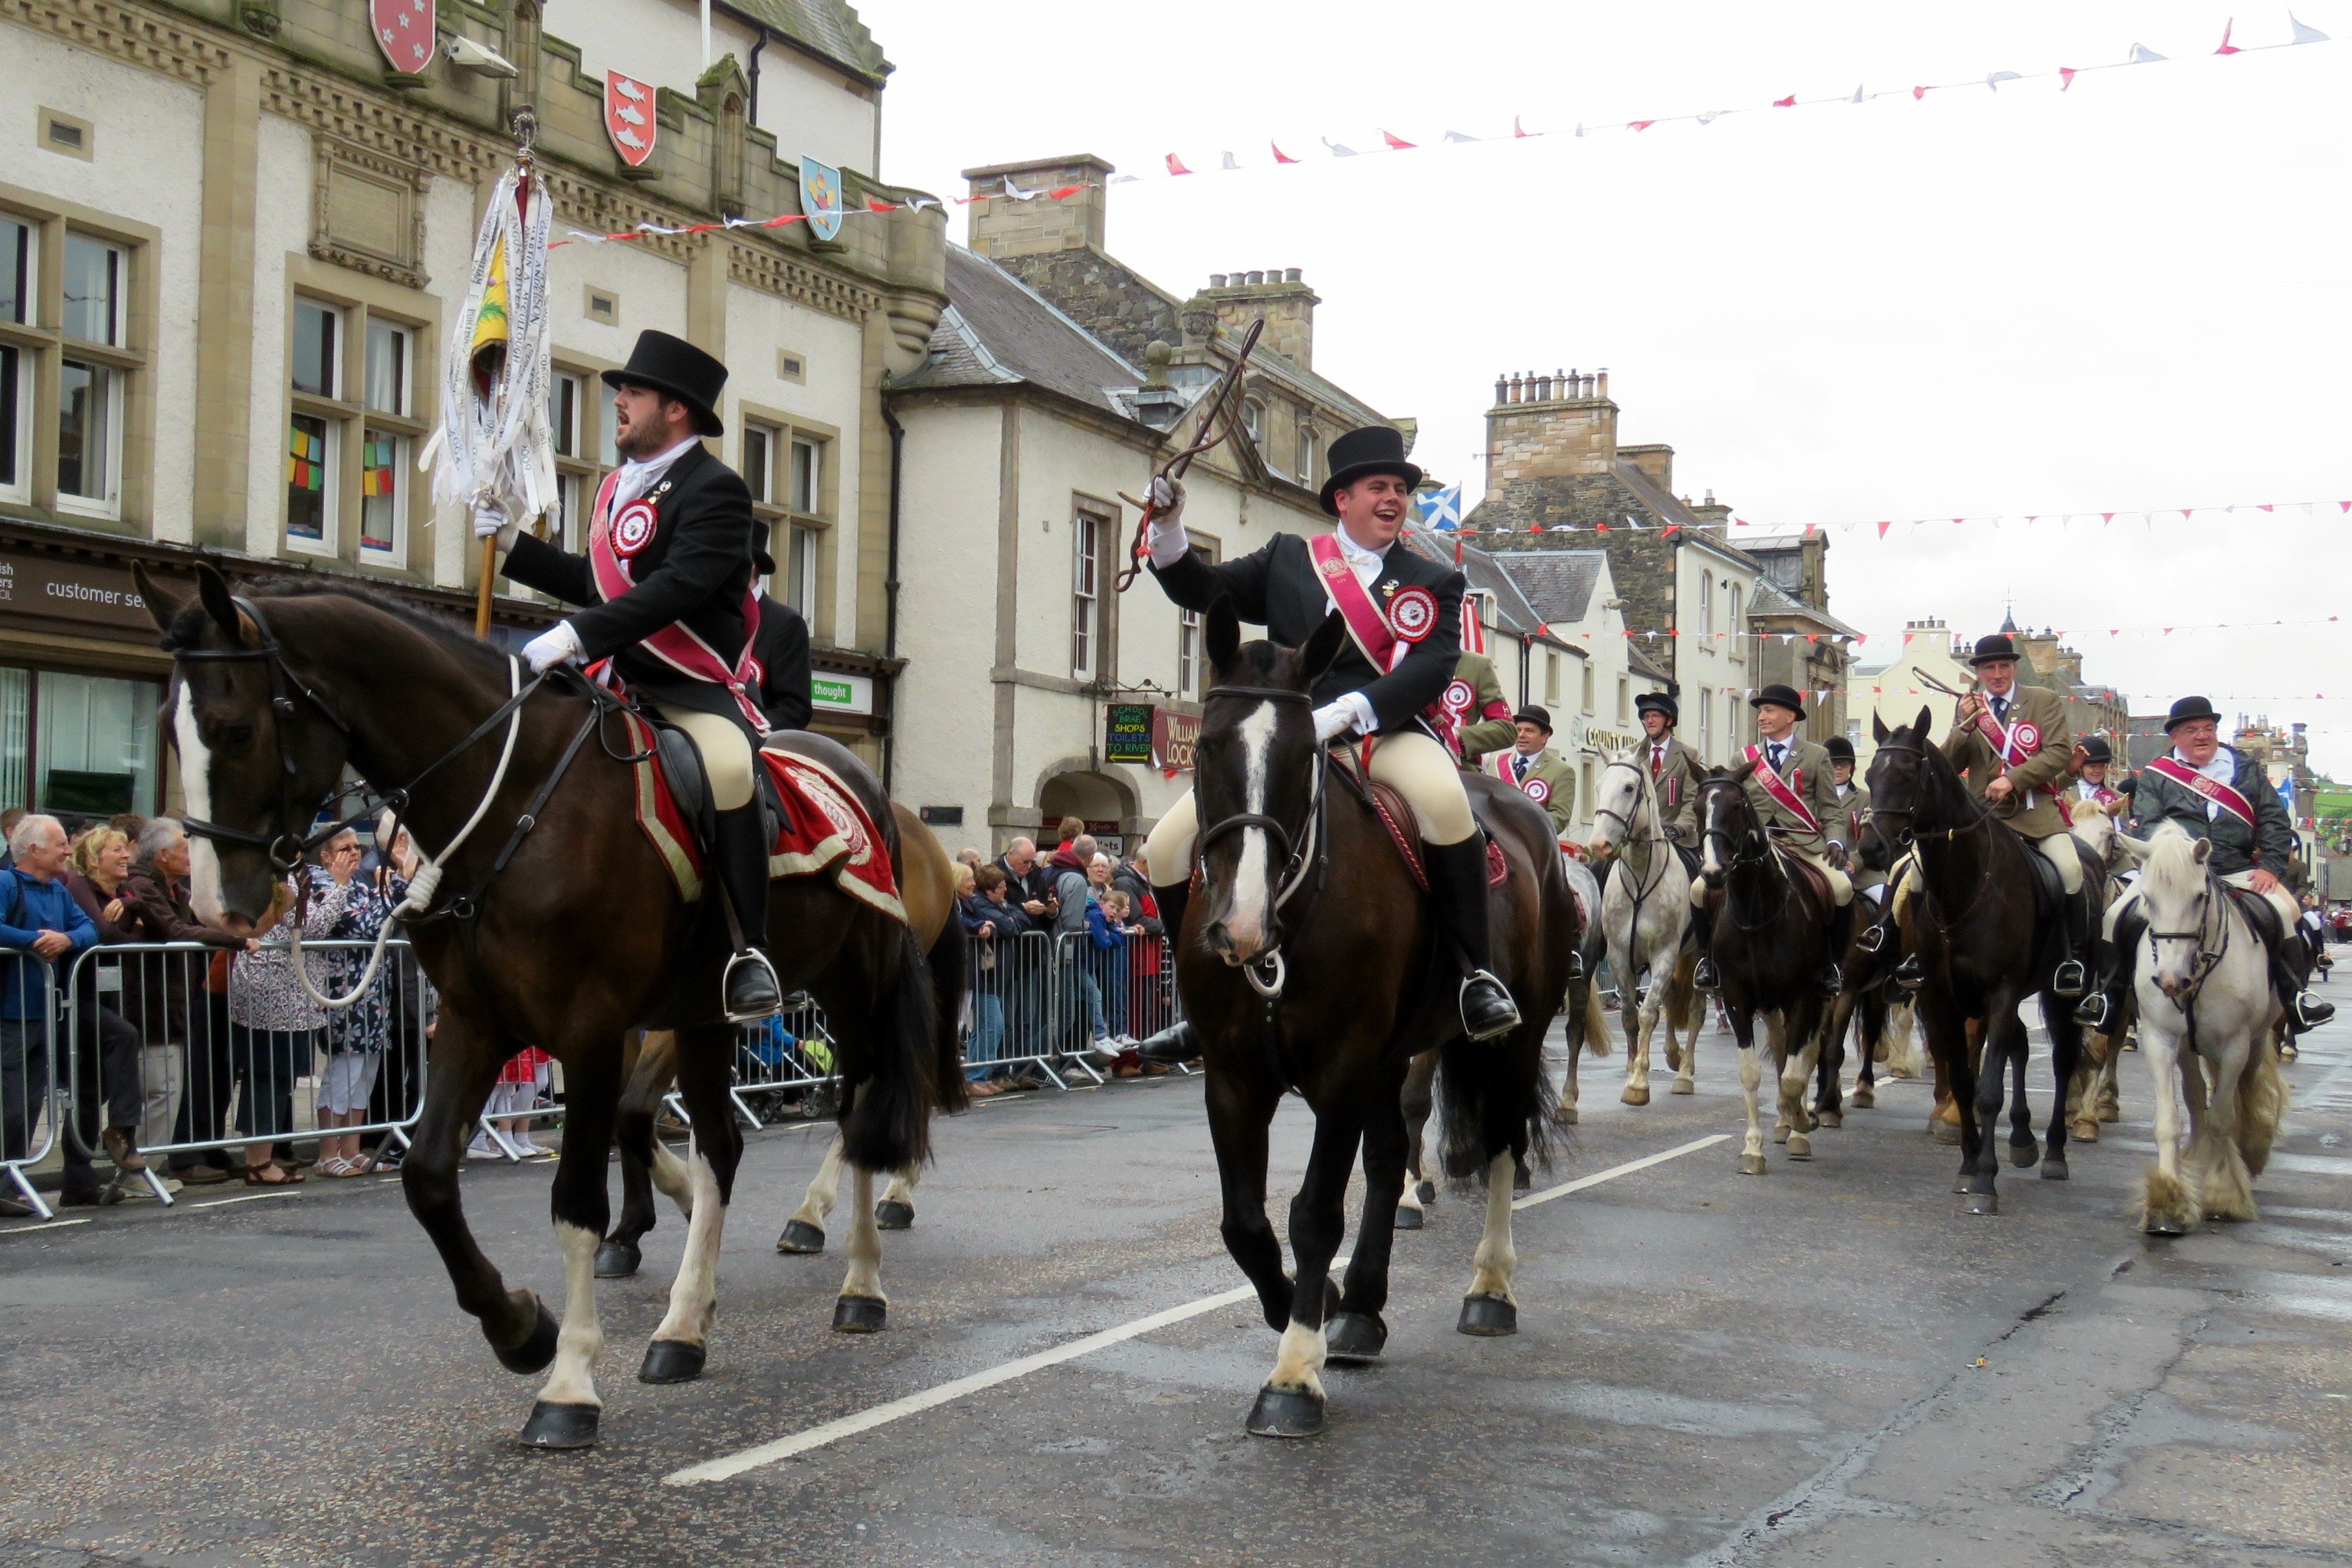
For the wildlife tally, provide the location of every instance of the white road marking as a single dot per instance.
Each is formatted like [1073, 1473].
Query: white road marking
[248, 1198]
[47, 1225]
[731, 1465]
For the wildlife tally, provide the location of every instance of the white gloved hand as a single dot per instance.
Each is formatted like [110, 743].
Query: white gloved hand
[1168, 540]
[490, 522]
[552, 646]
[1332, 720]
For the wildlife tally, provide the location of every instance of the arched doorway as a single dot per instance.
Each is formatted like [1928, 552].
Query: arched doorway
[1104, 802]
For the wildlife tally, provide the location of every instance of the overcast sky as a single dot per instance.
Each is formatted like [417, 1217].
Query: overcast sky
[2132, 295]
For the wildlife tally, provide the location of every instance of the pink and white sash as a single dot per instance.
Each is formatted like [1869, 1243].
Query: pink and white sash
[2220, 794]
[1371, 628]
[1783, 790]
[674, 644]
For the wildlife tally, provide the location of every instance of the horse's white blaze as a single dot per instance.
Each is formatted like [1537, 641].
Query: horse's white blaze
[1299, 1363]
[823, 1188]
[694, 1294]
[670, 1174]
[1496, 1261]
[196, 789]
[864, 1276]
[582, 1341]
[1246, 926]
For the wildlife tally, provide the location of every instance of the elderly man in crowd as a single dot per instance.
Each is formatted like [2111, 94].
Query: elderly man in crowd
[1028, 885]
[165, 997]
[41, 927]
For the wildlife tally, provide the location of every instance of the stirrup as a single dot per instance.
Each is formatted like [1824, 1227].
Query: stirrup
[2094, 1013]
[1575, 964]
[2308, 1012]
[1703, 976]
[1872, 940]
[2068, 979]
[1487, 1007]
[748, 991]
[1833, 980]
[1910, 973]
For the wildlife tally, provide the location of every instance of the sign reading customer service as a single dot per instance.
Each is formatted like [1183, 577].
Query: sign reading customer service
[70, 591]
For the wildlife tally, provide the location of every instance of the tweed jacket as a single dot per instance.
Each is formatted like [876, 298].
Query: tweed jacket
[1277, 587]
[1485, 717]
[1549, 771]
[1845, 828]
[1807, 773]
[2031, 808]
[1676, 782]
[2268, 844]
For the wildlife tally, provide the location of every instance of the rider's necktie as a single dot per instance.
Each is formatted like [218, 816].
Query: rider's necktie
[1779, 752]
[2000, 710]
[1519, 768]
[1657, 761]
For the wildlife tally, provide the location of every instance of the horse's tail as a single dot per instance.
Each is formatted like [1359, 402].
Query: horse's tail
[1496, 1095]
[887, 1125]
[2262, 1103]
[946, 961]
[1596, 1022]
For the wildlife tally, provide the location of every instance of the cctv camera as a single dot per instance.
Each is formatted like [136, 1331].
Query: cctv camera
[481, 59]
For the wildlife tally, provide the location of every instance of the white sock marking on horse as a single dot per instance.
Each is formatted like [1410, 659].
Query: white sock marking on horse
[196, 790]
[671, 1176]
[1493, 1264]
[1751, 1074]
[901, 1189]
[823, 1188]
[1298, 1364]
[864, 1276]
[582, 1341]
[1253, 893]
[694, 1294]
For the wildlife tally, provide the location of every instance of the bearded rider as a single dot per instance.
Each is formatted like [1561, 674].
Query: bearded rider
[669, 585]
[1403, 616]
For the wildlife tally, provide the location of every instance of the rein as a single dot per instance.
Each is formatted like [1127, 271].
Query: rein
[1771, 855]
[1297, 856]
[2208, 959]
[1643, 884]
[1983, 821]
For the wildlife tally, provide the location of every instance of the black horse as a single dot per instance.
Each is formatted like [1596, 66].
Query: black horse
[1309, 963]
[1988, 932]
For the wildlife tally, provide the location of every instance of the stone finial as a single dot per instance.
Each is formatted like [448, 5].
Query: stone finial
[1156, 355]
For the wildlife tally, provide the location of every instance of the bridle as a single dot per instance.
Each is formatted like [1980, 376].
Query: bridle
[1297, 851]
[1910, 838]
[2208, 959]
[1768, 855]
[1643, 885]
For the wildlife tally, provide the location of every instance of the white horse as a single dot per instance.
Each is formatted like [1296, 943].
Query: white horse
[1645, 915]
[2207, 1013]
[2091, 1098]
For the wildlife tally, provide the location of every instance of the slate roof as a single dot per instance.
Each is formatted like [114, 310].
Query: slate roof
[1484, 572]
[997, 330]
[1769, 598]
[827, 27]
[1557, 582]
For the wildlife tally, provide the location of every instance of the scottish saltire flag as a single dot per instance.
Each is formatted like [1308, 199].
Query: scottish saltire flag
[1439, 508]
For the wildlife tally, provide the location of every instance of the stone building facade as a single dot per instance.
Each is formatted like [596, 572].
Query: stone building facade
[236, 243]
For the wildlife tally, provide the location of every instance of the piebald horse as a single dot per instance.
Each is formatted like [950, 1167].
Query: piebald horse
[557, 925]
[1309, 963]
[1646, 918]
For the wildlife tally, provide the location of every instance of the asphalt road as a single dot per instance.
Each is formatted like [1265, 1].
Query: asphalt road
[1828, 1364]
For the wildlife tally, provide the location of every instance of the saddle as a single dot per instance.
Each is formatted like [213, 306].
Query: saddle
[1404, 829]
[689, 787]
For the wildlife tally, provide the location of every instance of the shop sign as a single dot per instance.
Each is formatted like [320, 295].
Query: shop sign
[1128, 732]
[841, 693]
[70, 591]
[1174, 736]
[1599, 740]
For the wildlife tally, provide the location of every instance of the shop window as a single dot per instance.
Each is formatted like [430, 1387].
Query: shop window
[81, 746]
[15, 735]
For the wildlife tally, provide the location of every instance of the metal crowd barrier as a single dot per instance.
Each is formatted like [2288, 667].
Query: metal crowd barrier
[780, 1063]
[1046, 1003]
[28, 1098]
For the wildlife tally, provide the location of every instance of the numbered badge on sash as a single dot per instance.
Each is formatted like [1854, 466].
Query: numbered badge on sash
[2026, 738]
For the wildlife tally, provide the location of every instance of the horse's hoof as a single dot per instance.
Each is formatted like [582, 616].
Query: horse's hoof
[2109, 1113]
[1830, 1118]
[1861, 1099]
[1521, 1181]
[1426, 1192]
[1565, 1116]
[1979, 1202]
[1780, 1133]
[1944, 1132]
[617, 1260]
[1800, 1147]
[1751, 1164]
[1636, 1095]
[1280, 1412]
[2084, 1133]
[2025, 1156]
[861, 1315]
[2165, 1224]
[800, 1237]
[671, 1361]
[892, 1215]
[1683, 1086]
[1488, 1317]
[560, 1426]
[1407, 1219]
[2288, 1053]
[2053, 1169]
[1353, 1339]
[537, 1352]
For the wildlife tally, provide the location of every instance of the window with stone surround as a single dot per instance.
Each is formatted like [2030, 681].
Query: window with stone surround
[356, 412]
[1086, 533]
[1551, 678]
[1706, 602]
[1706, 706]
[1589, 682]
[1624, 702]
[571, 414]
[315, 427]
[16, 262]
[1188, 631]
[89, 388]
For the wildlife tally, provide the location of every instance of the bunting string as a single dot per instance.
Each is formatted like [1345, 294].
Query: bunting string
[1631, 523]
[1858, 638]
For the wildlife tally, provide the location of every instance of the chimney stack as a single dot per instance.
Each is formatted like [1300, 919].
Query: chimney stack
[1544, 425]
[1275, 295]
[1003, 226]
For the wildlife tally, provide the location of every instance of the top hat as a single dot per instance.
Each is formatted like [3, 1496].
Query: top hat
[2096, 750]
[1531, 714]
[1374, 450]
[2187, 708]
[675, 368]
[1840, 748]
[1658, 702]
[1989, 649]
[1780, 695]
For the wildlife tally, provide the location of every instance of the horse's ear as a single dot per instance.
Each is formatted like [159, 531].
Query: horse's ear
[1323, 645]
[1742, 772]
[1878, 729]
[1222, 635]
[163, 605]
[1925, 724]
[212, 588]
[2201, 851]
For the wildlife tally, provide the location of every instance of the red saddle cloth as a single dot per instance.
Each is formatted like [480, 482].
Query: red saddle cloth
[826, 830]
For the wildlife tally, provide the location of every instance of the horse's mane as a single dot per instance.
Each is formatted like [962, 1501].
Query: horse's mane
[188, 626]
[1933, 760]
[2171, 863]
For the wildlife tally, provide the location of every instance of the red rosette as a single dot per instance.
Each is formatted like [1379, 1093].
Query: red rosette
[634, 528]
[1412, 614]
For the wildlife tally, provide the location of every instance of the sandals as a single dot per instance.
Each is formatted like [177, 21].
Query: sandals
[260, 1176]
[337, 1165]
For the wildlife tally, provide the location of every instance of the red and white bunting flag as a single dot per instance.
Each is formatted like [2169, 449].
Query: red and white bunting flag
[1787, 102]
[2227, 46]
[2065, 78]
[1176, 165]
[1280, 156]
[1398, 143]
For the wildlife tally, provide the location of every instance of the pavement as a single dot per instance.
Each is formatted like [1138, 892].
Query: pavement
[1827, 1366]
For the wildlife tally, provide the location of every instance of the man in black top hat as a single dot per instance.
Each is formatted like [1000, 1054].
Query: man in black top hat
[668, 585]
[2217, 793]
[1404, 622]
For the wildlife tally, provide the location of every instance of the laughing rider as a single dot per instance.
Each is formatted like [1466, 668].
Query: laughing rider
[1403, 617]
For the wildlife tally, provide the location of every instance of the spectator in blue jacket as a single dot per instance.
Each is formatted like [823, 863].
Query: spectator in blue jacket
[41, 927]
[989, 919]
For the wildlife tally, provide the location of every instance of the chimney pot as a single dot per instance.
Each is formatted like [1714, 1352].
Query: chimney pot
[1290, 275]
[1502, 385]
[1603, 389]
[1216, 279]
[1257, 278]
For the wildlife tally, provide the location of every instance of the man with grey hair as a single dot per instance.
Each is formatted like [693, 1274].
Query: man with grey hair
[185, 1027]
[41, 927]
[1027, 883]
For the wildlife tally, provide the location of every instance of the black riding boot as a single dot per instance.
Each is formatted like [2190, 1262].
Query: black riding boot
[1457, 887]
[750, 989]
[2074, 929]
[1840, 933]
[2305, 1012]
[1175, 1042]
[2104, 1007]
[1703, 977]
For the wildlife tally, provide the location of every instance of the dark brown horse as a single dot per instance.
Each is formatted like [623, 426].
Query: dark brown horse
[1989, 935]
[1338, 991]
[1770, 938]
[555, 925]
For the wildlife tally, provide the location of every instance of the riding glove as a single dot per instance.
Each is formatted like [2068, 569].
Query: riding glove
[1168, 541]
[1334, 720]
[490, 521]
[552, 646]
